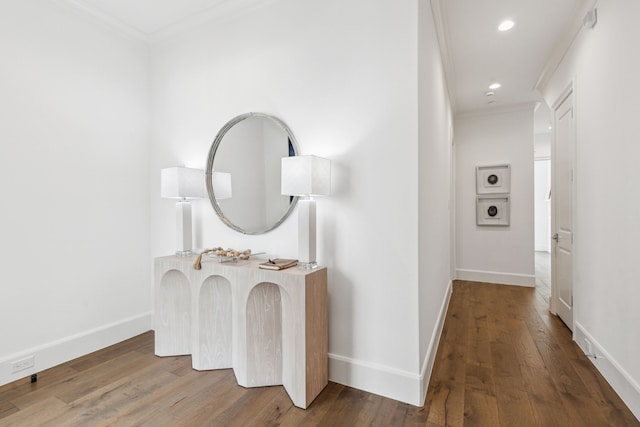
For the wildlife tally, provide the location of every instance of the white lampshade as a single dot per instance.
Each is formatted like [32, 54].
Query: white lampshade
[221, 182]
[182, 183]
[306, 176]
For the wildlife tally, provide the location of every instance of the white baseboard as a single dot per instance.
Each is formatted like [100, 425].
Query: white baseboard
[496, 277]
[54, 353]
[375, 378]
[405, 386]
[543, 248]
[430, 358]
[622, 383]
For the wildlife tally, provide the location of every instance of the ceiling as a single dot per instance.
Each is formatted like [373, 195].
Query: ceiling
[476, 54]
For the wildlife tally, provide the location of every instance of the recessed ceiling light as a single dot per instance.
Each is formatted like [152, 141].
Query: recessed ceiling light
[494, 86]
[506, 25]
[489, 93]
[491, 102]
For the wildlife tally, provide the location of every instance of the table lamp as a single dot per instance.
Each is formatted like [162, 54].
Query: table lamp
[183, 184]
[306, 176]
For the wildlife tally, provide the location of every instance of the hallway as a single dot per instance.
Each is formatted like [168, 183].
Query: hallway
[504, 360]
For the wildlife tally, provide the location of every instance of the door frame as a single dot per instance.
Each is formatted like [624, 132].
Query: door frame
[570, 89]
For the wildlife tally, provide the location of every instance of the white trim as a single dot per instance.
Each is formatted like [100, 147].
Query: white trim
[569, 90]
[439, 13]
[513, 108]
[543, 248]
[397, 384]
[563, 44]
[430, 358]
[500, 278]
[223, 9]
[623, 383]
[68, 348]
[375, 378]
[106, 19]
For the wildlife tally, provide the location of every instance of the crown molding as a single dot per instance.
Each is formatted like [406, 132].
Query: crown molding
[438, 10]
[106, 19]
[563, 45]
[490, 111]
[223, 9]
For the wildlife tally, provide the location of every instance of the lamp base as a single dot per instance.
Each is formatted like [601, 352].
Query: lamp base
[184, 253]
[307, 265]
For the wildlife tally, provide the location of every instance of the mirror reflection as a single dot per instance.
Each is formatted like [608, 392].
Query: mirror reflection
[243, 173]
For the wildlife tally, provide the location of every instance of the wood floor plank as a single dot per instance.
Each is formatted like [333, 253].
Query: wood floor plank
[52, 377]
[480, 410]
[391, 413]
[604, 396]
[446, 403]
[545, 400]
[514, 402]
[273, 413]
[347, 408]
[82, 383]
[39, 414]
[174, 399]
[236, 413]
[109, 401]
[322, 404]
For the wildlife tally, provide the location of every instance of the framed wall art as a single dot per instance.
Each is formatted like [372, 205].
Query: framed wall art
[492, 210]
[494, 179]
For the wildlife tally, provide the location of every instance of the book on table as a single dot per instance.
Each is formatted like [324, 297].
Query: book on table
[278, 264]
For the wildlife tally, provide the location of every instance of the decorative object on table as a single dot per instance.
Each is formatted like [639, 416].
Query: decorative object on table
[183, 184]
[492, 210]
[224, 255]
[306, 176]
[494, 179]
[278, 264]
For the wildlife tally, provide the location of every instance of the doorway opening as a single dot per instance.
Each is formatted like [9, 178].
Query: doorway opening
[542, 202]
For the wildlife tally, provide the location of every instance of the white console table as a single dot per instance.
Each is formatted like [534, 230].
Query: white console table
[269, 326]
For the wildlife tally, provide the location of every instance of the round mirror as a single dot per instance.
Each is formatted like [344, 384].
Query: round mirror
[243, 173]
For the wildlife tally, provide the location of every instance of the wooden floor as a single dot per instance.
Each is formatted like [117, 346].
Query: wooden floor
[502, 361]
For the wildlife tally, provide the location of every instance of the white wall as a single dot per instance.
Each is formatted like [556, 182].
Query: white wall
[434, 183]
[74, 150]
[605, 63]
[496, 254]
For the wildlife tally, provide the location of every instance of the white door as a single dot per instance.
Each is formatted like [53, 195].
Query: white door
[562, 211]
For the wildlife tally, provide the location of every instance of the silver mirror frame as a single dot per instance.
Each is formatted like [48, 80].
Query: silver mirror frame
[209, 170]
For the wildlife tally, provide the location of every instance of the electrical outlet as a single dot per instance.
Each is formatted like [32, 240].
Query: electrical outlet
[587, 347]
[22, 364]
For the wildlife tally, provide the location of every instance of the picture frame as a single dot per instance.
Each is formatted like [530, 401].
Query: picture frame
[493, 210]
[494, 179]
